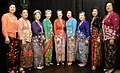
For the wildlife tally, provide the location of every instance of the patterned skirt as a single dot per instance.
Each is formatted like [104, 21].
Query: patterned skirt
[110, 50]
[38, 52]
[71, 49]
[96, 52]
[60, 49]
[26, 57]
[82, 49]
[48, 51]
[13, 54]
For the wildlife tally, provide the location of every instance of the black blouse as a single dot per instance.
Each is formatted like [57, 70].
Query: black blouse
[97, 23]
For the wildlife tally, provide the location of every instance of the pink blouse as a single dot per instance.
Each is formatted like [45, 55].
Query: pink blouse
[25, 30]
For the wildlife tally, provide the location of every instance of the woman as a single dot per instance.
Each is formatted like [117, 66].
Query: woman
[82, 39]
[26, 57]
[110, 26]
[70, 32]
[37, 41]
[48, 29]
[60, 36]
[96, 36]
[10, 32]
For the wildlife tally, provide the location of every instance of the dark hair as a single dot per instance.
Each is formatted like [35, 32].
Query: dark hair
[9, 4]
[71, 12]
[95, 7]
[21, 10]
[112, 5]
[109, 2]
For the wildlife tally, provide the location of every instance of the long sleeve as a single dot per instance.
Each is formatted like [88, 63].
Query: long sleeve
[45, 27]
[74, 27]
[20, 29]
[77, 26]
[30, 30]
[87, 28]
[20, 26]
[4, 25]
[55, 27]
[34, 30]
[115, 21]
[100, 27]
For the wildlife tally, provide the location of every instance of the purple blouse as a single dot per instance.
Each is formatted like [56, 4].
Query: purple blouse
[84, 28]
[37, 29]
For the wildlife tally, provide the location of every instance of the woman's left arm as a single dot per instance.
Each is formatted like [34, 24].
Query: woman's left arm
[87, 28]
[115, 21]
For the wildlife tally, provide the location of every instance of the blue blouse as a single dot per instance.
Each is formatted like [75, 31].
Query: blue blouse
[71, 27]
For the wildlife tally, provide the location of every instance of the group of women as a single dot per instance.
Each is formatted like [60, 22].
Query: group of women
[32, 44]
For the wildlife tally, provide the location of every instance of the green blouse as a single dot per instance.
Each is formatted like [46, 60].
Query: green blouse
[48, 28]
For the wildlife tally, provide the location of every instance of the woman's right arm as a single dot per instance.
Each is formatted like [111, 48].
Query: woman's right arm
[4, 29]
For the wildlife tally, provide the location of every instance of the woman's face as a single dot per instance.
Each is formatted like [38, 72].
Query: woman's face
[82, 16]
[48, 15]
[109, 7]
[24, 14]
[94, 12]
[69, 14]
[12, 8]
[59, 14]
[37, 16]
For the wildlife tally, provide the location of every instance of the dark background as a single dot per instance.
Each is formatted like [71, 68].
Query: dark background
[75, 5]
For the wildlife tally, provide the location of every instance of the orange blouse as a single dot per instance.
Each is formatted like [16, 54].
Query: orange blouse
[59, 27]
[9, 25]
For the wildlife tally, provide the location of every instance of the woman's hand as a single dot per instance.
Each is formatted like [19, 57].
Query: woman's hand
[46, 40]
[86, 42]
[7, 40]
[111, 41]
[43, 37]
[91, 28]
[23, 42]
[98, 40]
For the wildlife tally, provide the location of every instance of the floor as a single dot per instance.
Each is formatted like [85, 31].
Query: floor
[117, 71]
[74, 68]
[61, 69]
[66, 69]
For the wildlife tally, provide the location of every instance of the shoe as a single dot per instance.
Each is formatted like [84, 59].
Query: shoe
[69, 63]
[40, 67]
[81, 65]
[22, 70]
[93, 68]
[47, 64]
[58, 64]
[12, 71]
[29, 68]
[16, 71]
[110, 70]
[51, 63]
[104, 69]
[62, 63]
